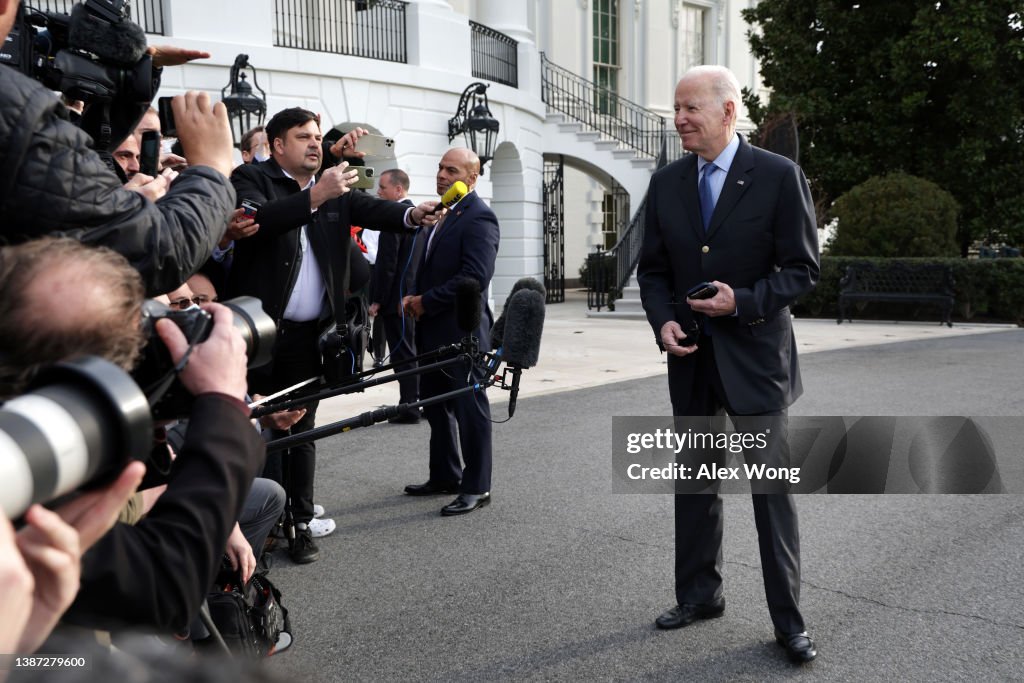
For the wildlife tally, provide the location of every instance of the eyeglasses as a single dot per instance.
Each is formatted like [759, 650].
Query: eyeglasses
[199, 299]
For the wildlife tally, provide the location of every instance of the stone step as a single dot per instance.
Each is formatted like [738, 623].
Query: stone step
[624, 154]
[588, 136]
[570, 127]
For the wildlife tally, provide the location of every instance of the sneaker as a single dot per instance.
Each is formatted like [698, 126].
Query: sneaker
[321, 527]
[318, 511]
[302, 549]
[284, 641]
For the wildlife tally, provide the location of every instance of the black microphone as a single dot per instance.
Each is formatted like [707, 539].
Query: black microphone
[122, 42]
[467, 305]
[498, 329]
[523, 329]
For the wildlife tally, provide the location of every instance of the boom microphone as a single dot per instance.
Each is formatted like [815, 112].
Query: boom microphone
[467, 304]
[523, 328]
[452, 196]
[498, 329]
[120, 41]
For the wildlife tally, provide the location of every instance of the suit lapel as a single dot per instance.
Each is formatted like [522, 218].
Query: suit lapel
[736, 183]
[449, 223]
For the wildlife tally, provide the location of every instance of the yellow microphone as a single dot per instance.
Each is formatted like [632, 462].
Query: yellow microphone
[453, 196]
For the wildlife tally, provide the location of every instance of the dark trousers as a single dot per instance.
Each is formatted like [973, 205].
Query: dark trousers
[296, 358]
[464, 420]
[699, 520]
[401, 342]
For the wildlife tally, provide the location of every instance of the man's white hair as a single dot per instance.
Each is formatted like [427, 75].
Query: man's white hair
[724, 83]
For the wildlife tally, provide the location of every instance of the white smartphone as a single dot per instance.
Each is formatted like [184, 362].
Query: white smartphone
[376, 145]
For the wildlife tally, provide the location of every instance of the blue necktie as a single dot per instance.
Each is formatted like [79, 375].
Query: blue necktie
[707, 200]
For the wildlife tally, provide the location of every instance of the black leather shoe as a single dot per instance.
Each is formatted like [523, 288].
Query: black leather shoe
[684, 615]
[799, 646]
[431, 489]
[302, 549]
[406, 419]
[466, 502]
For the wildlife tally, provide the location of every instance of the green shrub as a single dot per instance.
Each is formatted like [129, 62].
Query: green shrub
[896, 215]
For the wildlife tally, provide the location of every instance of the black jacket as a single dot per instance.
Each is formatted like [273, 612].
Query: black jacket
[266, 265]
[51, 182]
[394, 274]
[155, 575]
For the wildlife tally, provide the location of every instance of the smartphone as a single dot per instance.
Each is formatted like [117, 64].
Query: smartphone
[376, 146]
[365, 179]
[249, 208]
[704, 290]
[149, 154]
[167, 126]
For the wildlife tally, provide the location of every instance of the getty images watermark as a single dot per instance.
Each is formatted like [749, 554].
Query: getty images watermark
[874, 454]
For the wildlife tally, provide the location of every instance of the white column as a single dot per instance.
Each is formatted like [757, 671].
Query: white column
[512, 17]
[438, 37]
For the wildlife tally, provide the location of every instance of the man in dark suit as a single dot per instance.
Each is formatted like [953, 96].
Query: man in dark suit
[394, 275]
[298, 264]
[464, 244]
[741, 218]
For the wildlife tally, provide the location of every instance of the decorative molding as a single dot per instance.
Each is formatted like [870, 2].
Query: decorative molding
[676, 7]
[583, 4]
[636, 8]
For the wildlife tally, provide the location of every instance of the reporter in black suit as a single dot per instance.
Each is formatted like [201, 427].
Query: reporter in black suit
[463, 244]
[394, 276]
[741, 218]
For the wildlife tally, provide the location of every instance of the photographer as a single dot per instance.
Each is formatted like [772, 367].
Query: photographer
[59, 299]
[52, 181]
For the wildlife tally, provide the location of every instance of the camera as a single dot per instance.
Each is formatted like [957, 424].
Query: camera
[156, 372]
[97, 55]
[78, 424]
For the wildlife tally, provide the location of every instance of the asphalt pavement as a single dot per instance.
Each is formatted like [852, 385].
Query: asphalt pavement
[559, 579]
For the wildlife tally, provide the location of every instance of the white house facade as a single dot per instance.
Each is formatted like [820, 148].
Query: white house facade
[399, 68]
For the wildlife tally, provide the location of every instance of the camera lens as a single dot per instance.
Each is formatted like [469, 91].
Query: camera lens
[78, 424]
[257, 328]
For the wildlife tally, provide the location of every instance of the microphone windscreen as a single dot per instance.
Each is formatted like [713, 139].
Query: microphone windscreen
[498, 329]
[454, 194]
[467, 305]
[524, 324]
[123, 43]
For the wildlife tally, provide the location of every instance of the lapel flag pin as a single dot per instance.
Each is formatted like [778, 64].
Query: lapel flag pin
[739, 182]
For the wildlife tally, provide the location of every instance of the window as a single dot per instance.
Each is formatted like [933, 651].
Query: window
[606, 53]
[614, 214]
[691, 33]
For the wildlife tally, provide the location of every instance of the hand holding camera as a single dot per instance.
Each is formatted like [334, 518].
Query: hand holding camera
[217, 365]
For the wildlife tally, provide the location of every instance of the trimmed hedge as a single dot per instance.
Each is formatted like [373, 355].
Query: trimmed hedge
[990, 288]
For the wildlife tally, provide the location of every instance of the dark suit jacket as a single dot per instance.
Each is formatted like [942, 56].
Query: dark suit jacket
[763, 242]
[266, 264]
[467, 246]
[394, 274]
[156, 574]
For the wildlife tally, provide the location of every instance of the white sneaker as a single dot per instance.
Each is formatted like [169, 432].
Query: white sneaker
[318, 511]
[321, 527]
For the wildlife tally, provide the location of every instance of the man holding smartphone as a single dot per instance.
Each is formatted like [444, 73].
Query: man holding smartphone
[297, 264]
[731, 242]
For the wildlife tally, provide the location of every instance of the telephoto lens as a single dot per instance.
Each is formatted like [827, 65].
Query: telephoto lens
[78, 424]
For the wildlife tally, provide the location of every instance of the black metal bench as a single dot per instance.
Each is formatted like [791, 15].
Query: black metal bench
[930, 283]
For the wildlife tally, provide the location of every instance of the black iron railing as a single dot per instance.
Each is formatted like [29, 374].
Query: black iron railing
[601, 110]
[612, 269]
[362, 28]
[495, 56]
[149, 14]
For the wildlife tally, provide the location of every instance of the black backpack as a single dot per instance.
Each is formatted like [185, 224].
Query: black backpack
[250, 617]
